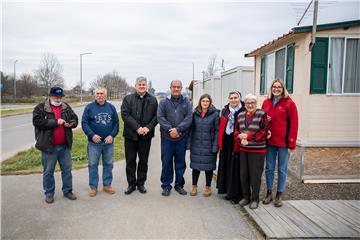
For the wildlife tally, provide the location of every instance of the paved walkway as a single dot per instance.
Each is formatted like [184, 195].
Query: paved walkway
[24, 214]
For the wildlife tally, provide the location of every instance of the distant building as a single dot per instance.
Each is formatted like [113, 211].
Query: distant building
[240, 78]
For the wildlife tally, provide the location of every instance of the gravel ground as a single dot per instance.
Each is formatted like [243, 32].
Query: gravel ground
[296, 190]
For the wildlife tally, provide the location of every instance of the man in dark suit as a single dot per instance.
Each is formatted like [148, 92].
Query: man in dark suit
[138, 111]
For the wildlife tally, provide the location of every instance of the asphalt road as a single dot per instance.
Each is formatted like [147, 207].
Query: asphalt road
[25, 215]
[17, 132]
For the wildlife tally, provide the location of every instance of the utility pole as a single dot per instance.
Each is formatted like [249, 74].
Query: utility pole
[313, 33]
[81, 85]
[193, 70]
[15, 78]
[203, 73]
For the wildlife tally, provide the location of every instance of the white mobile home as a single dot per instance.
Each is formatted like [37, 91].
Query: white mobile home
[323, 82]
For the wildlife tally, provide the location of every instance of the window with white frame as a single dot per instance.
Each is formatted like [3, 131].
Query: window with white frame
[279, 64]
[344, 62]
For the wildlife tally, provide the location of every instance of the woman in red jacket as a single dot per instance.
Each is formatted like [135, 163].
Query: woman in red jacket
[283, 125]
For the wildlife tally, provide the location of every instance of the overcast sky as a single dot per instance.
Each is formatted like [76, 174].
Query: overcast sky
[158, 40]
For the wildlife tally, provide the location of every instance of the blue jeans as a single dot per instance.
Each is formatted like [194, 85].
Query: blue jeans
[62, 154]
[95, 150]
[172, 152]
[282, 154]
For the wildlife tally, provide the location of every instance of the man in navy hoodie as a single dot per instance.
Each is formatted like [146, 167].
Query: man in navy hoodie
[174, 115]
[100, 123]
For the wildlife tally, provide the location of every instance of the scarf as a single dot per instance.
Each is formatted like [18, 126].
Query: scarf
[231, 121]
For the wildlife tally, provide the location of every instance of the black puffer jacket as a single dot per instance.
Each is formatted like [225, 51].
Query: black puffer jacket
[203, 140]
[44, 122]
[133, 117]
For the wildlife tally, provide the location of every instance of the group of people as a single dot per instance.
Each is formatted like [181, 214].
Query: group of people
[247, 137]
[241, 134]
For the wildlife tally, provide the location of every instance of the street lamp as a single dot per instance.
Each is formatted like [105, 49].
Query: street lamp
[193, 65]
[81, 54]
[15, 78]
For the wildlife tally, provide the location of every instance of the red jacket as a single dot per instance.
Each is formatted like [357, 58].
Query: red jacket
[224, 116]
[284, 122]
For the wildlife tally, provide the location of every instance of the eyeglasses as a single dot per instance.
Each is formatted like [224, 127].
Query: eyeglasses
[277, 87]
[250, 103]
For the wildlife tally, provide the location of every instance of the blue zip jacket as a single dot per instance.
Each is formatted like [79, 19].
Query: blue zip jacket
[174, 113]
[101, 120]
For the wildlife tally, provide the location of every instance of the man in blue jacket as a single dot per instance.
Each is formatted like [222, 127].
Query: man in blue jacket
[174, 116]
[100, 123]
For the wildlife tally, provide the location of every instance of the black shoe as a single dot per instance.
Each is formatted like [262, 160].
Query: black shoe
[254, 205]
[142, 189]
[227, 198]
[244, 202]
[130, 189]
[70, 195]
[49, 199]
[165, 192]
[234, 201]
[181, 190]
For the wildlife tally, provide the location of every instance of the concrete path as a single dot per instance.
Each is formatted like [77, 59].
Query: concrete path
[25, 215]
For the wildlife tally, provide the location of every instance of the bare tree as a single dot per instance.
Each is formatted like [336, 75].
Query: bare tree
[115, 84]
[50, 72]
[76, 90]
[27, 86]
[212, 68]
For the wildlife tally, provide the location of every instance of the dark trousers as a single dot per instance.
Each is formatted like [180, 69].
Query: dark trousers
[172, 152]
[132, 149]
[251, 169]
[195, 177]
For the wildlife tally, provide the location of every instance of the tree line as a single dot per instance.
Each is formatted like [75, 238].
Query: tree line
[49, 74]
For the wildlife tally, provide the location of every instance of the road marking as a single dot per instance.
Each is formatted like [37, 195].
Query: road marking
[22, 125]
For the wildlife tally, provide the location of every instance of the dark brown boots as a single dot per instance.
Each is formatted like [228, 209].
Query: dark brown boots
[278, 199]
[268, 199]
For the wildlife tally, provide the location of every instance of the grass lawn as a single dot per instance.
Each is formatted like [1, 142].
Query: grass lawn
[10, 112]
[29, 161]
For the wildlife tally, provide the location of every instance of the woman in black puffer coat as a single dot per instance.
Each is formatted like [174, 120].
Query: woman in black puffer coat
[203, 142]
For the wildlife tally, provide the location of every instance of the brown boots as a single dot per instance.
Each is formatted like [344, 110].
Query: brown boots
[193, 190]
[268, 198]
[206, 193]
[278, 199]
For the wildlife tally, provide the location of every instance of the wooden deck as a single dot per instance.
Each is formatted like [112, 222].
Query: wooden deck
[309, 219]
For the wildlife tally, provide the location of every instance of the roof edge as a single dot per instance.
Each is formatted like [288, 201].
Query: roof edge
[327, 26]
[304, 29]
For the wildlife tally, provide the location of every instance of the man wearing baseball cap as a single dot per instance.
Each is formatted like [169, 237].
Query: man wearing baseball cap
[53, 121]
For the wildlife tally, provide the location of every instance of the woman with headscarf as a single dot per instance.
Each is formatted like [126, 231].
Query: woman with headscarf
[228, 176]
